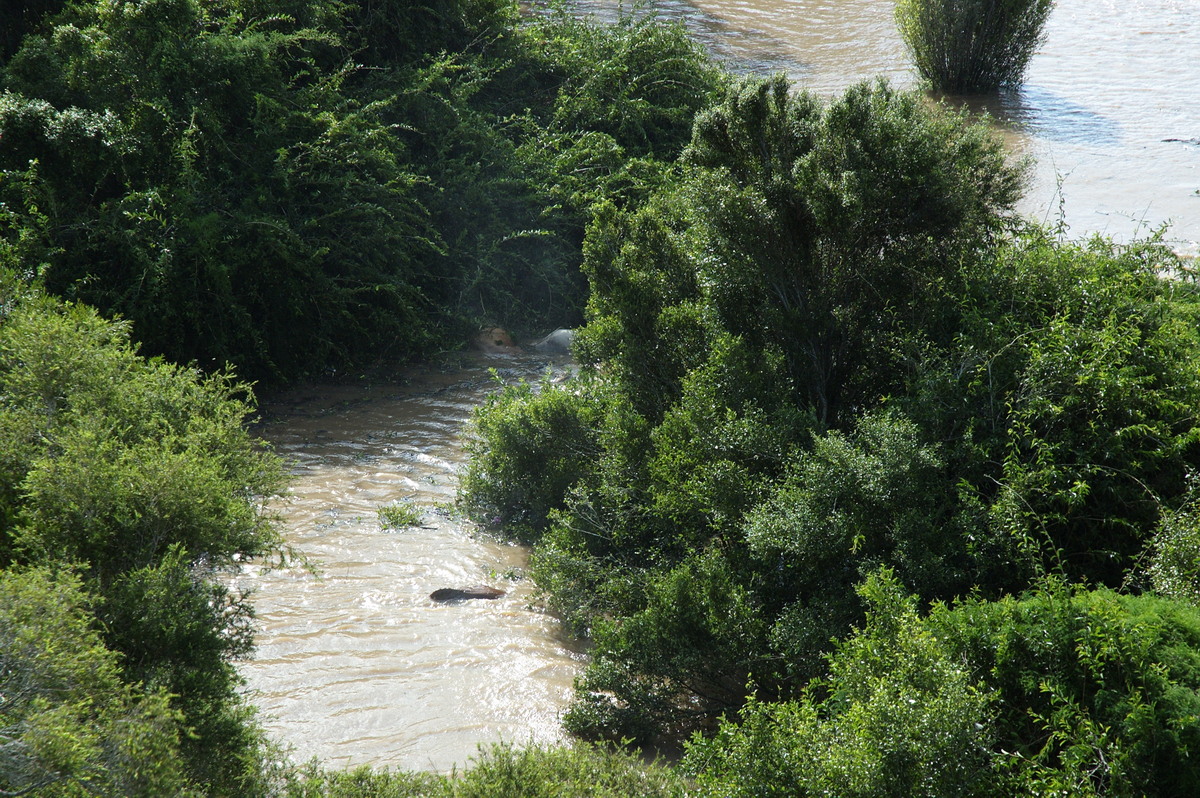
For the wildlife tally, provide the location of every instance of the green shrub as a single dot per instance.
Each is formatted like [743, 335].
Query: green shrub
[1097, 693]
[241, 209]
[1174, 553]
[782, 288]
[964, 46]
[853, 503]
[681, 660]
[505, 771]
[1070, 403]
[288, 186]
[142, 476]
[71, 726]
[639, 81]
[823, 236]
[898, 715]
[395, 33]
[1064, 692]
[530, 443]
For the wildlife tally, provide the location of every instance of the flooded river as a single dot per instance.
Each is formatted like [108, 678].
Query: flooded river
[357, 665]
[360, 667]
[1110, 106]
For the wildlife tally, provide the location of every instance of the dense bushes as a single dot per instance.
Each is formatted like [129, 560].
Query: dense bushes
[211, 185]
[126, 486]
[829, 349]
[546, 431]
[1059, 692]
[293, 186]
[502, 771]
[848, 437]
[828, 233]
[964, 46]
[71, 726]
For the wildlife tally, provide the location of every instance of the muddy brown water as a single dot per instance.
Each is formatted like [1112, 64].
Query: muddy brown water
[1109, 109]
[357, 665]
[360, 667]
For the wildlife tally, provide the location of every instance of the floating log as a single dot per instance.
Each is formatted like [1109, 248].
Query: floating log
[474, 592]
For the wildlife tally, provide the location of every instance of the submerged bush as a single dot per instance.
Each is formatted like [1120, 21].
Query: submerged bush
[399, 515]
[963, 46]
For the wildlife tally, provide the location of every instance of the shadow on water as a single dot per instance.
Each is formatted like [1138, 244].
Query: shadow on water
[1041, 113]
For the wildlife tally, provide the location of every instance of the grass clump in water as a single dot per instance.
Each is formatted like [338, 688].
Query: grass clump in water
[400, 515]
[966, 46]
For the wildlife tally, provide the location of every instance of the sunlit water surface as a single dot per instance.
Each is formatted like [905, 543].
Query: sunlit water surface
[1109, 109]
[357, 665]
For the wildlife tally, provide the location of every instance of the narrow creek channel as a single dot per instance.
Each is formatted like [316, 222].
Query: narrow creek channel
[357, 665]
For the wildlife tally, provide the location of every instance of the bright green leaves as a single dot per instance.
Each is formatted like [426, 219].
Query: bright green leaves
[1057, 693]
[121, 457]
[503, 770]
[847, 495]
[70, 726]
[1174, 563]
[732, 429]
[1075, 386]
[140, 476]
[898, 715]
[647, 317]
[639, 81]
[851, 504]
[1097, 693]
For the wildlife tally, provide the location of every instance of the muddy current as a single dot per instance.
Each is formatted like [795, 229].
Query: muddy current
[355, 663]
[358, 665]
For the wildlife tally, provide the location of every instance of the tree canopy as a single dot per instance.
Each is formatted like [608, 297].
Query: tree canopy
[127, 486]
[290, 187]
[829, 348]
